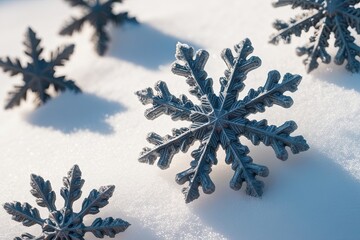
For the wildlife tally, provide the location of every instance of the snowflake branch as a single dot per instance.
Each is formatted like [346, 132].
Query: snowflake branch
[32, 44]
[42, 191]
[101, 39]
[295, 27]
[271, 93]
[97, 199]
[61, 84]
[245, 170]
[347, 48]
[193, 70]
[74, 26]
[165, 103]
[122, 18]
[304, 4]
[28, 236]
[352, 17]
[107, 227]
[24, 213]
[14, 67]
[235, 75]
[198, 174]
[276, 137]
[16, 95]
[72, 188]
[166, 147]
[61, 55]
[317, 47]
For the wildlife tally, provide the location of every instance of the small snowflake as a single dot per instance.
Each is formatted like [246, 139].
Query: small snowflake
[220, 120]
[97, 13]
[65, 223]
[39, 74]
[326, 16]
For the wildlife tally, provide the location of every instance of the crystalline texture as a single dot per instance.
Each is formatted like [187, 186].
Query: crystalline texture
[97, 13]
[65, 223]
[220, 120]
[326, 16]
[39, 74]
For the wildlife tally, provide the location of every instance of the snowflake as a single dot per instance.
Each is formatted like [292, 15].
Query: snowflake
[98, 13]
[220, 120]
[325, 16]
[64, 223]
[39, 74]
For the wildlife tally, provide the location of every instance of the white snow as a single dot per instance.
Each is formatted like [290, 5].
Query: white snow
[314, 195]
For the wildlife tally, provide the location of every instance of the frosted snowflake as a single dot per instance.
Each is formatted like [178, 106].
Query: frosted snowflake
[220, 120]
[39, 74]
[65, 223]
[326, 16]
[98, 13]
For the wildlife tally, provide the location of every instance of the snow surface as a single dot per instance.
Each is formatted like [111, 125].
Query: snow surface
[313, 195]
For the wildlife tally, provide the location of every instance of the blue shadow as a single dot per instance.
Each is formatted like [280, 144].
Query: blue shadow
[70, 113]
[311, 197]
[144, 45]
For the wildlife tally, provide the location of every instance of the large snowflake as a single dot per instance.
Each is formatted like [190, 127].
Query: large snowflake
[98, 13]
[220, 120]
[65, 223]
[39, 74]
[326, 16]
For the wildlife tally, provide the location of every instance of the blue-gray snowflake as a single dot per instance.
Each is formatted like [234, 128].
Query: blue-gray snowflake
[65, 223]
[39, 74]
[326, 16]
[219, 120]
[98, 13]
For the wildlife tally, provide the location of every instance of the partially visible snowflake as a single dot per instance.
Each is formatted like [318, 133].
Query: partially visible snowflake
[97, 13]
[326, 16]
[220, 120]
[39, 74]
[65, 223]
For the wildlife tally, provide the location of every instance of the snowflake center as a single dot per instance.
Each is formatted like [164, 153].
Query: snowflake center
[218, 118]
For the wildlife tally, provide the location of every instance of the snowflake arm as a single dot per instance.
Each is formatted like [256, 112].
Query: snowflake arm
[165, 103]
[347, 48]
[295, 27]
[244, 169]
[276, 137]
[238, 67]
[65, 223]
[74, 25]
[193, 69]
[317, 47]
[101, 40]
[24, 213]
[271, 93]
[33, 48]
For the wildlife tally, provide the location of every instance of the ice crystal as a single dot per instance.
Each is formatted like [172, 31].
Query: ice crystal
[65, 223]
[326, 16]
[220, 120]
[97, 13]
[39, 74]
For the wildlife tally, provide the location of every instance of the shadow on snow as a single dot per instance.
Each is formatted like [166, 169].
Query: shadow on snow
[70, 113]
[144, 45]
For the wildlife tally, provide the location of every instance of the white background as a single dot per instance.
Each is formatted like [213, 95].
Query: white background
[313, 195]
